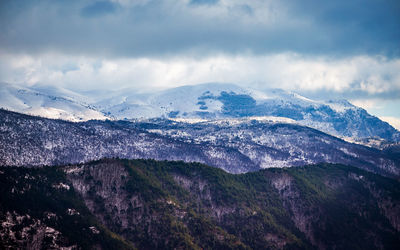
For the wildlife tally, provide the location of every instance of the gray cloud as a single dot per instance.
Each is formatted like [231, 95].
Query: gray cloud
[323, 49]
[159, 28]
[98, 9]
[200, 2]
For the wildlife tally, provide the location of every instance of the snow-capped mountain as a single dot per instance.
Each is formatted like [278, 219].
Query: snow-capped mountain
[210, 101]
[224, 101]
[47, 102]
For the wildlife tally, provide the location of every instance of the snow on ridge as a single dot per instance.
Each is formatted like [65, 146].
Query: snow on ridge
[272, 119]
[191, 104]
[33, 102]
[235, 121]
[339, 106]
[303, 98]
[188, 120]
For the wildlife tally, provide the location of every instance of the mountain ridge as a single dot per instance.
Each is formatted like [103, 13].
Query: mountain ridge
[149, 204]
[240, 148]
[209, 101]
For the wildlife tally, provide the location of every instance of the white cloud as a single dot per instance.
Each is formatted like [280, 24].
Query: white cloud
[368, 103]
[394, 121]
[366, 81]
[370, 75]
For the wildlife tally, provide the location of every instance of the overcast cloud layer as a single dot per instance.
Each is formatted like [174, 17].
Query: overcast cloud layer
[322, 49]
[152, 28]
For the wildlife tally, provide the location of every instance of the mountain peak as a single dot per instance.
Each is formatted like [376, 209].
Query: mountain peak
[202, 101]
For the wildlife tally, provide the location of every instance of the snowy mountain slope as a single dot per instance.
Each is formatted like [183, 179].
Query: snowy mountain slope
[216, 100]
[128, 104]
[204, 101]
[274, 143]
[223, 101]
[187, 101]
[34, 141]
[236, 148]
[47, 102]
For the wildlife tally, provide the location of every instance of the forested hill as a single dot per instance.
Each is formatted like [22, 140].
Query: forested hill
[237, 146]
[164, 205]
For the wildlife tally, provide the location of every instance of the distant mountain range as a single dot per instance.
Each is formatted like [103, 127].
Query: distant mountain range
[204, 102]
[99, 175]
[237, 146]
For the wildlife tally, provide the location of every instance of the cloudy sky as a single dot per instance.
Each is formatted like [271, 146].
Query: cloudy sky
[322, 49]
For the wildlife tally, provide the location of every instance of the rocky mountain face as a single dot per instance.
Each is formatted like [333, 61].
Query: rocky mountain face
[39, 209]
[238, 147]
[147, 204]
[204, 101]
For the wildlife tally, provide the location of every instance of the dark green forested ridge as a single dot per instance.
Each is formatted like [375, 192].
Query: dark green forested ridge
[33, 194]
[164, 205]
